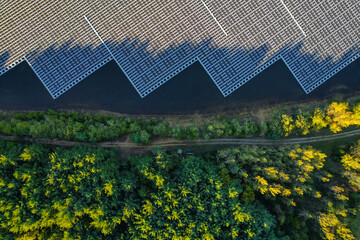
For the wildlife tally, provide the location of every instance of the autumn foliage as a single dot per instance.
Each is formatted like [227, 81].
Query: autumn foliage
[336, 116]
[86, 193]
[294, 179]
[351, 164]
[248, 192]
[95, 128]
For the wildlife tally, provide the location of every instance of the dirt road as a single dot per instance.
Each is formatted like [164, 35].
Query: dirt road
[167, 143]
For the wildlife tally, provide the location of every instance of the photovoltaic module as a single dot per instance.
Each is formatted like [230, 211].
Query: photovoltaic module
[152, 41]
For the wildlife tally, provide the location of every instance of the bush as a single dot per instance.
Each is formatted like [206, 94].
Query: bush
[250, 127]
[275, 123]
[95, 128]
[272, 136]
[162, 129]
[263, 127]
[142, 137]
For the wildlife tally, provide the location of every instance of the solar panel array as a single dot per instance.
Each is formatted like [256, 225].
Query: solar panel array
[61, 50]
[152, 41]
[332, 42]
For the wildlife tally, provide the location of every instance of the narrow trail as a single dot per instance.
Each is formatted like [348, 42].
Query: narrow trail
[170, 143]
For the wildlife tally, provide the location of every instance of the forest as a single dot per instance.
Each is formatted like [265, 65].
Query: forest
[334, 117]
[289, 192]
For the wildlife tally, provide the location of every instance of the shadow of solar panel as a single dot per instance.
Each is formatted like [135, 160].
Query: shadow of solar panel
[148, 71]
[341, 47]
[3, 59]
[230, 69]
[3, 67]
[233, 41]
[311, 72]
[62, 68]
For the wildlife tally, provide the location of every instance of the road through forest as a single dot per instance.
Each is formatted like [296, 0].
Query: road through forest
[172, 143]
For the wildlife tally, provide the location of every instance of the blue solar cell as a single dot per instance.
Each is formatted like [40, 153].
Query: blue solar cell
[3, 67]
[3, 59]
[61, 68]
[60, 71]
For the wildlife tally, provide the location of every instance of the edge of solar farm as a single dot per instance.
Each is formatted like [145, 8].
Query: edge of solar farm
[330, 73]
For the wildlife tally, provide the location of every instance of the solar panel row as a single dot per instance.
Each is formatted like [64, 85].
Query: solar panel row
[269, 39]
[152, 41]
[61, 51]
[331, 44]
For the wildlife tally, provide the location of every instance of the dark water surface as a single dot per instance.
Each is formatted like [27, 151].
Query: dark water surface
[189, 92]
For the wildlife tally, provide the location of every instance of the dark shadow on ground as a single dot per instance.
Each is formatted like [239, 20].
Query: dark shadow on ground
[189, 92]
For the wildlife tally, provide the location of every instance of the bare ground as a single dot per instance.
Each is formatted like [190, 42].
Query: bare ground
[125, 147]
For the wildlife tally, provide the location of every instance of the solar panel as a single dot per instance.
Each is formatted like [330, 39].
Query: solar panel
[61, 68]
[231, 70]
[61, 51]
[152, 41]
[332, 42]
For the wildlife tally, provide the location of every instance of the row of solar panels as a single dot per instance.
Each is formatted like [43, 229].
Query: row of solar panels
[259, 33]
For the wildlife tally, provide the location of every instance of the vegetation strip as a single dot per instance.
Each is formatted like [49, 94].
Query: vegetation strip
[171, 143]
[99, 128]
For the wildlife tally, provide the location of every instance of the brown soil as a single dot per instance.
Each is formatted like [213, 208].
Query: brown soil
[126, 148]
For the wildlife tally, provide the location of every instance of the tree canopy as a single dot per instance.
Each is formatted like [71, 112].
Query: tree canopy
[87, 193]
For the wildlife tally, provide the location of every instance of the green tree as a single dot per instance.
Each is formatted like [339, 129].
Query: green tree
[250, 127]
[87, 193]
[191, 202]
[162, 129]
[67, 194]
[142, 137]
[238, 129]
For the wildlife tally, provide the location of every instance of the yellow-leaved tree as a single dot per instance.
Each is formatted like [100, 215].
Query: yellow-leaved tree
[355, 118]
[351, 164]
[302, 124]
[192, 202]
[331, 227]
[286, 174]
[318, 120]
[287, 124]
[338, 116]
